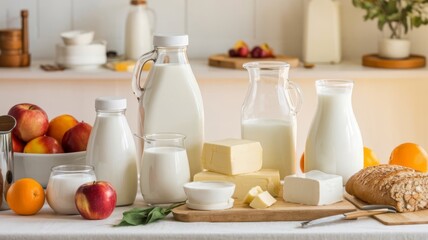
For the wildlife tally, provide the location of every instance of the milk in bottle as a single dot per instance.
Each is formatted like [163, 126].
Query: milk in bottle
[170, 101]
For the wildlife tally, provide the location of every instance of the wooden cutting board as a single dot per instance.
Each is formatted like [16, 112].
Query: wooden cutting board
[224, 61]
[413, 61]
[419, 217]
[280, 211]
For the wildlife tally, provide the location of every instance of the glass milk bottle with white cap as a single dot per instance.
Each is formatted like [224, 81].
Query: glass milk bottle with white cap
[170, 101]
[111, 149]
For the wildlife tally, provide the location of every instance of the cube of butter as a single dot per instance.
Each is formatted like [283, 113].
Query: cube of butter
[313, 188]
[252, 193]
[267, 179]
[232, 156]
[263, 200]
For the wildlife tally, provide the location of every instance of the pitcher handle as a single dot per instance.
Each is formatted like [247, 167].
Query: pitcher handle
[294, 96]
[138, 69]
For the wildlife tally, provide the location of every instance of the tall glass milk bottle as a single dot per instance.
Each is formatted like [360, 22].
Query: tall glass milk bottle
[170, 101]
[111, 149]
[138, 30]
[269, 114]
[334, 144]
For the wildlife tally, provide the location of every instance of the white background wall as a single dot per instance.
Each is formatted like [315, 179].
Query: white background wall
[213, 25]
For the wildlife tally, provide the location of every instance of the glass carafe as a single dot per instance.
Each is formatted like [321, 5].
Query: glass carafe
[170, 100]
[334, 144]
[269, 114]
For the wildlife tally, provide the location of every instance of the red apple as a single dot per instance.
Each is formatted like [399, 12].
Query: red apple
[17, 145]
[31, 121]
[43, 144]
[243, 52]
[95, 200]
[76, 138]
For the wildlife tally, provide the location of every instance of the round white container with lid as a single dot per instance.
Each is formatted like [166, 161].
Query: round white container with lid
[111, 149]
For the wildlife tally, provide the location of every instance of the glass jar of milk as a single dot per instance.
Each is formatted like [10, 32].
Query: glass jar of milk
[164, 168]
[170, 100]
[111, 149]
[269, 114]
[63, 184]
[334, 144]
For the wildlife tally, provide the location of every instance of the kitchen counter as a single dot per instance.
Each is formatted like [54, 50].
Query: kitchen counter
[46, 225]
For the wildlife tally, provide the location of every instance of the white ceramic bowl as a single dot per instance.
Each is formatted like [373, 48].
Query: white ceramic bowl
[81, 56]
[38, 166]
[77, 37]
[206, 193]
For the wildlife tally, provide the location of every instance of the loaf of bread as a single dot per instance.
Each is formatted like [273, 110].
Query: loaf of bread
[401, 187]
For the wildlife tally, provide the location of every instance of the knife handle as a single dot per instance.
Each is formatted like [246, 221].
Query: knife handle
[357, 214]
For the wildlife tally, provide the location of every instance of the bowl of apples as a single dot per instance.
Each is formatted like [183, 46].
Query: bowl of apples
[40, 144]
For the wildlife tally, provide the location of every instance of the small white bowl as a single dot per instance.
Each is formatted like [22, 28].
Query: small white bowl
[77, 37]
[206, 193]
[38, 166]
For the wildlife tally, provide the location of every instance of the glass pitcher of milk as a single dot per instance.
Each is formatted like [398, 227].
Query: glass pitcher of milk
[334, 144]
[170, 100]
[268, 114]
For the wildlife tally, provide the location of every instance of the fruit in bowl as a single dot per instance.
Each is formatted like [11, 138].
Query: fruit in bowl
[31, 121]
[38, 166]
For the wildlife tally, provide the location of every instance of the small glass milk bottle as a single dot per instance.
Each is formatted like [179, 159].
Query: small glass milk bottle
[111, 149]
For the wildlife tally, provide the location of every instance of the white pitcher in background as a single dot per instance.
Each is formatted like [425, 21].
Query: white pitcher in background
[269, 114]
[334, 144]
[170, 100]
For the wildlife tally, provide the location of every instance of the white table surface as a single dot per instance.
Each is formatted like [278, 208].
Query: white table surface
[47, 225]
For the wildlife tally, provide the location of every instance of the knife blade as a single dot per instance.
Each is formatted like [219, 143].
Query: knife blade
[347, 216]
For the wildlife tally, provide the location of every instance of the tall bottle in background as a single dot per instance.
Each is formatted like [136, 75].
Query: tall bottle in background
[269, 114]
[111, 149]
[138, 30]
[170, 101]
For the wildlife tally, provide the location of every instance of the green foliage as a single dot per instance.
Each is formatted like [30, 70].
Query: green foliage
[399, 15]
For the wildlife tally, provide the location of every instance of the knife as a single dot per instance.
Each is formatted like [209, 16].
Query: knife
[347, 216]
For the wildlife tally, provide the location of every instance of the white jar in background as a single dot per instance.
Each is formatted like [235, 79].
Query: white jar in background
[334, 144]
[138, 30]
[111, 149]
[63, 184]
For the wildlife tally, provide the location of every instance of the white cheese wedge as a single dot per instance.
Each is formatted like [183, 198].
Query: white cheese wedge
[232, 156]
[252, 194]
[267, 179]
[263, 200]
[313, 188]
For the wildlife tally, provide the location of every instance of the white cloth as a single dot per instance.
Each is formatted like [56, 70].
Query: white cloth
[47, 225]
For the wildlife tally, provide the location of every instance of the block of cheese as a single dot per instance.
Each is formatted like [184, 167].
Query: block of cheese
[232, 156]
[263, 200]
[313, 188]
[252, 193]
[267, 179]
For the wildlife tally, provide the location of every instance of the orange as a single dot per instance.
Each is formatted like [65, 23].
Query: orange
[370, 159]
[26, 196]
[59, 125]
[410, 155]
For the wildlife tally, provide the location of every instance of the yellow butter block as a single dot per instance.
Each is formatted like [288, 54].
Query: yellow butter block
[232, 156]
[263, 200]
[267, 179]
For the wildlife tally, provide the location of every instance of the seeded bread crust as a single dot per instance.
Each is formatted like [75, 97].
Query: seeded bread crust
[394, 185]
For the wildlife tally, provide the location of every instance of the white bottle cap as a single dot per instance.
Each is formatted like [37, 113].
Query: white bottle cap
[170, 41]
[110, 103]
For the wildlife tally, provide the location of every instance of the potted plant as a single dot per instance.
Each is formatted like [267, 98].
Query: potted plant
[399, 16]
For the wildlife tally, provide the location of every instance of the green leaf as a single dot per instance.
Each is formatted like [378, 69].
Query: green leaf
[143, 216]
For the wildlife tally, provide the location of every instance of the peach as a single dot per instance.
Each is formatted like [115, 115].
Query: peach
[59, 125]
[43, 144]
[76, 139]
[31, 121]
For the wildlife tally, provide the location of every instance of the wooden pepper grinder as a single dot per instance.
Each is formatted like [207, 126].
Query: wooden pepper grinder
[25, 56]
